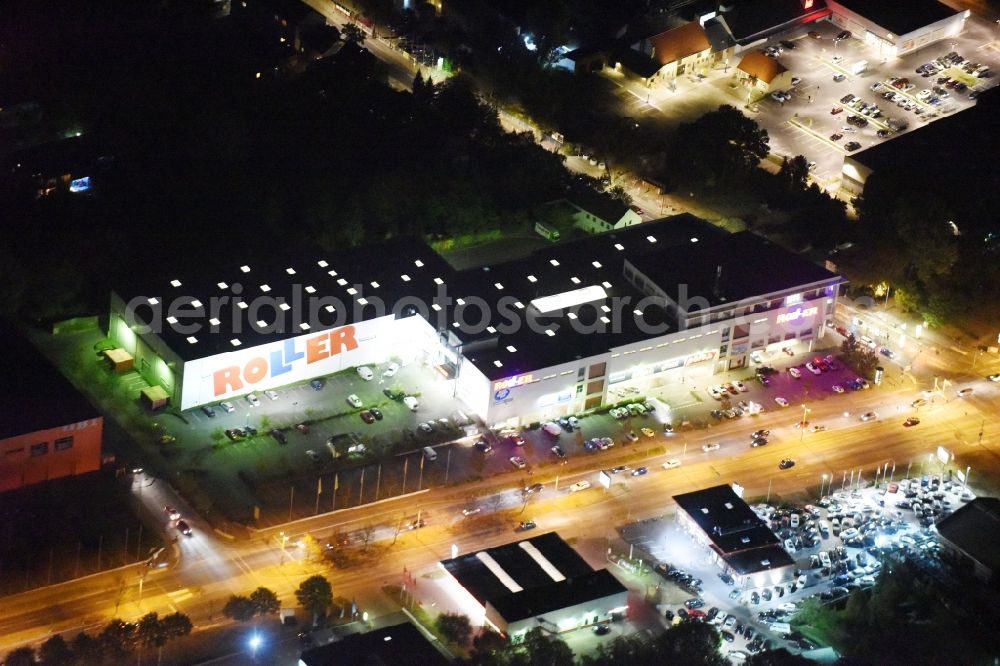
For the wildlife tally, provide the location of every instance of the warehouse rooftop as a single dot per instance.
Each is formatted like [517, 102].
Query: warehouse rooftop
[37, 397]
[561, 303]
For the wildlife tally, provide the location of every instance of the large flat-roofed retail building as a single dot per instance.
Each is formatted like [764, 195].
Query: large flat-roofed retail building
[897, 28]
[567, 328]
[537, 582]
[739, 541]
[47, 429]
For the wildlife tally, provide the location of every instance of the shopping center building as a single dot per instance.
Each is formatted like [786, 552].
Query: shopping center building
[568, 328]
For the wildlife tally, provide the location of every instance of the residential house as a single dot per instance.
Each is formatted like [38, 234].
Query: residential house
[595, 212]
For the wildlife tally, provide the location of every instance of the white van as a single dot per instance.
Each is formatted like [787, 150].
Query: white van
[781, 628]
[552, 428]
[430, 454]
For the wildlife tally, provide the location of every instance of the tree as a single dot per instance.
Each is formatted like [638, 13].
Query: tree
[265, 601]
[454, 627]
[487, 647]
[176, 625]
[691, 643]
[795, 172]
[619, 193]
[149, 631]
[22, 656]
[717, 147]
[544, 650]
[239, 608]
[353, 33]
[117, 638]
[315, 595]
[87, 649]
[55, 652]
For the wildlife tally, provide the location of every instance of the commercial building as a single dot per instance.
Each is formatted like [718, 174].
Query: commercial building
[399, 645]
[894, 28]
[47, 429]
[762, 75]
[568, 328]
[738, 540]
[972, 536]
[750, 22]
[928, 158]
[537, 582]
[662, 57]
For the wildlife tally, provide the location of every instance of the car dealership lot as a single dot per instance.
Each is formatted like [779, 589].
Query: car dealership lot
[841, 542]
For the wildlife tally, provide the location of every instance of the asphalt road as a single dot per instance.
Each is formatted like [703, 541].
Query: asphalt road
[209, 568]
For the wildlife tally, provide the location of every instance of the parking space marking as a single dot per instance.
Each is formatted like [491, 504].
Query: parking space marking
[794, 122]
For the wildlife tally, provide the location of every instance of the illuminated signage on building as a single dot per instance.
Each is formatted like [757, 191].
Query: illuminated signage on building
[285, 358]
[797, 314]
[513, 382]
[700, 357]
[80, 184]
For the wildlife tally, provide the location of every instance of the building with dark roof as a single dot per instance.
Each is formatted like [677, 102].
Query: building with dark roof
[932, 158]
[740, 542]
[47, 429]
[895, 28]
[540, 581]
[749, 21]
[972, 535]
[557, 332]
[399, 645]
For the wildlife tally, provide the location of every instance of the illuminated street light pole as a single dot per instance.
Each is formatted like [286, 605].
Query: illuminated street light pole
[254, 644]
[284, 540]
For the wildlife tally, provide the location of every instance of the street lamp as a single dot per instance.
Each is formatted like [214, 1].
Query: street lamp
[284, 540]
[823, 483]
[254, 644]
[803, 422]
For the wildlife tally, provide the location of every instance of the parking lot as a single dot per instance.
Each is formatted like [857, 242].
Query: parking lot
[804, 124]
[840, 544]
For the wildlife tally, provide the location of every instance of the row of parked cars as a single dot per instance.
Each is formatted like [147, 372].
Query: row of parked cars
[631, 409]
[950, 60]
[734, 387]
